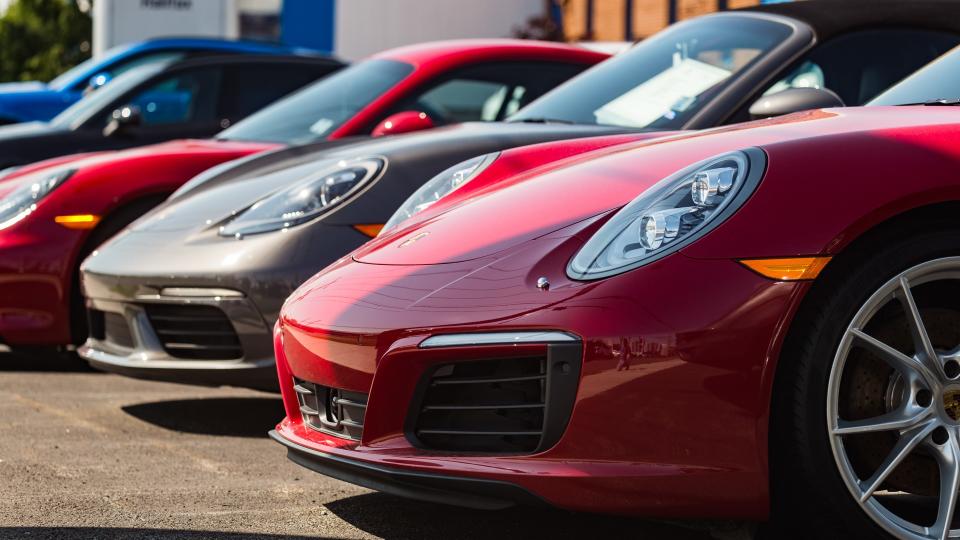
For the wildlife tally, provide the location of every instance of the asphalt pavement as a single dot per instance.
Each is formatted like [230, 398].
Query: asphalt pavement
[91, 455]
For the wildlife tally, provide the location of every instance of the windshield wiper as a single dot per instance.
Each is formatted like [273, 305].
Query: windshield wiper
[543, 120]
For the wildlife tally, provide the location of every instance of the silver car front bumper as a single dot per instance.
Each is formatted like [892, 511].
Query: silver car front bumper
[204, 336]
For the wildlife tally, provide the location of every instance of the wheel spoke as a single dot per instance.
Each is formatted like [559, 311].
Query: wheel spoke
[896, 359]
[899, 419]
[918, 331]
[949, 486]
[907, 442]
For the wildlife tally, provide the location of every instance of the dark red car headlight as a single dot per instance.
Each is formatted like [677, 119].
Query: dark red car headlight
[23, 200]
[670, 215]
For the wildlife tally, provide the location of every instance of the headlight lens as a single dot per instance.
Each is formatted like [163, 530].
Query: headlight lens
[8, 171]
[23, 200]
[671, 214]
[439, 187]
[305, 200]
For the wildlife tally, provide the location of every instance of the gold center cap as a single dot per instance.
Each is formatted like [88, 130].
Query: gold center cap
[951, 403]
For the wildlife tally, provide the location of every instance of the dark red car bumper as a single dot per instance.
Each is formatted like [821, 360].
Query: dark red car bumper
[36, 283]
[671, 403]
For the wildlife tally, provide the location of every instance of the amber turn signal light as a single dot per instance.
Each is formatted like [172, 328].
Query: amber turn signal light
[78, 221]
[370, 229]
[787, 269]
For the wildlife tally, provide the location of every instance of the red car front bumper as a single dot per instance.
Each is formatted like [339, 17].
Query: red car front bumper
[671, 401]
[36, 265]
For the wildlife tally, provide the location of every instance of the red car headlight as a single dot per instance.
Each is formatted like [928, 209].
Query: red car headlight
[671, 214]
[23, 200]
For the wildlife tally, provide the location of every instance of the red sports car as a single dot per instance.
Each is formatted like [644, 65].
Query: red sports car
[56, 212]
[687, 327]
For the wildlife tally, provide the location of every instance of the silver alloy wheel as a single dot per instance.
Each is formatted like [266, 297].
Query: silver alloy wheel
[924, 417]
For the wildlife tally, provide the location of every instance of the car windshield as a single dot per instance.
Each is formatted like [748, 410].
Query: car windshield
[71, 76]
[83, 110]
[938, 80]
[663, 81]
[316, 111]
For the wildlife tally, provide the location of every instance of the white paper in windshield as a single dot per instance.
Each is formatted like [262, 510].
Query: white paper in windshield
[674, 89]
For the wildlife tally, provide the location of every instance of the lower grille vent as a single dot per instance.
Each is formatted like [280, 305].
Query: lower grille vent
[330, 410]
[508, 405]
[116, 330]
[109, 327]
[96, 324]
[195, 332]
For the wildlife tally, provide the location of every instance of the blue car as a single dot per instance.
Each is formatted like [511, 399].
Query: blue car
[29, 101]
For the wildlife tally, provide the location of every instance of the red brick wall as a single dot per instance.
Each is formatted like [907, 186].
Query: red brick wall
[649, 16]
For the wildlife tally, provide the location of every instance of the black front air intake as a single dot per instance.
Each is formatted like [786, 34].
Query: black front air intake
[194, 332]
[331, 410]
[96, 324]
[109, 327]
[515, 405]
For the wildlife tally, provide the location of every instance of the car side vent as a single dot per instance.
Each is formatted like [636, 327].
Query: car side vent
[194, 332]
[330, 410]
[116, 330]
[504, 405]
[96, 324]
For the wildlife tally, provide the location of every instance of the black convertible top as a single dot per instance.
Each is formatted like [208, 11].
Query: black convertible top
[831, 17]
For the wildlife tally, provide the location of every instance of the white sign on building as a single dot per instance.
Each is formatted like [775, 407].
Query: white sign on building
[364, 27]
[116, 22]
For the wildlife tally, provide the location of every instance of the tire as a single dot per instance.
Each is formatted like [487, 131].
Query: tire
[829, 377]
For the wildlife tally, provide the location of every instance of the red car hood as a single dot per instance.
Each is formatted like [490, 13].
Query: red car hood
[516, 212]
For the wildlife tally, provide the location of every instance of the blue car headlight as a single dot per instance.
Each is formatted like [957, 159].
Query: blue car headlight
[670, 215]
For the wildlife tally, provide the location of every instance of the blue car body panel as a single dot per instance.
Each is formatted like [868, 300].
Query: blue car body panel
[31, 101]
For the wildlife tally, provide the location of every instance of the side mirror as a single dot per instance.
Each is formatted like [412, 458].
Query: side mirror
[97, 81]
[403, 122]
[122, 120]
[794, 100]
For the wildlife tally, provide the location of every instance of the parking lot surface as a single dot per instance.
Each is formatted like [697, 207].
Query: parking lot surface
[90, 455]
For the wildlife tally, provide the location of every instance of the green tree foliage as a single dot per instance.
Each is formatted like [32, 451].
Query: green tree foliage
[39, 39]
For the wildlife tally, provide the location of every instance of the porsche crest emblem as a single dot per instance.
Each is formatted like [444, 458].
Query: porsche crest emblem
[951, 403]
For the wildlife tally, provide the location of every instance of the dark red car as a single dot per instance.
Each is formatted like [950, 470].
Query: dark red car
[687, 327]
[54, 213]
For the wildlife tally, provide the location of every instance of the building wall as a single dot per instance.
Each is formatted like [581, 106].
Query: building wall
[364, 27]
[121, 21]
[352, 29]
[606, 20]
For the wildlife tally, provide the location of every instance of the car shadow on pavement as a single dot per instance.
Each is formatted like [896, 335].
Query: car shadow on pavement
[232, 417]
[111, 533]
[393, 518]
[44, 360]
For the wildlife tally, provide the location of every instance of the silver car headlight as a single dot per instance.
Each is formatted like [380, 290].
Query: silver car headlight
[439, 187]
[670, 215]
[23, 200]
[305, 200]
